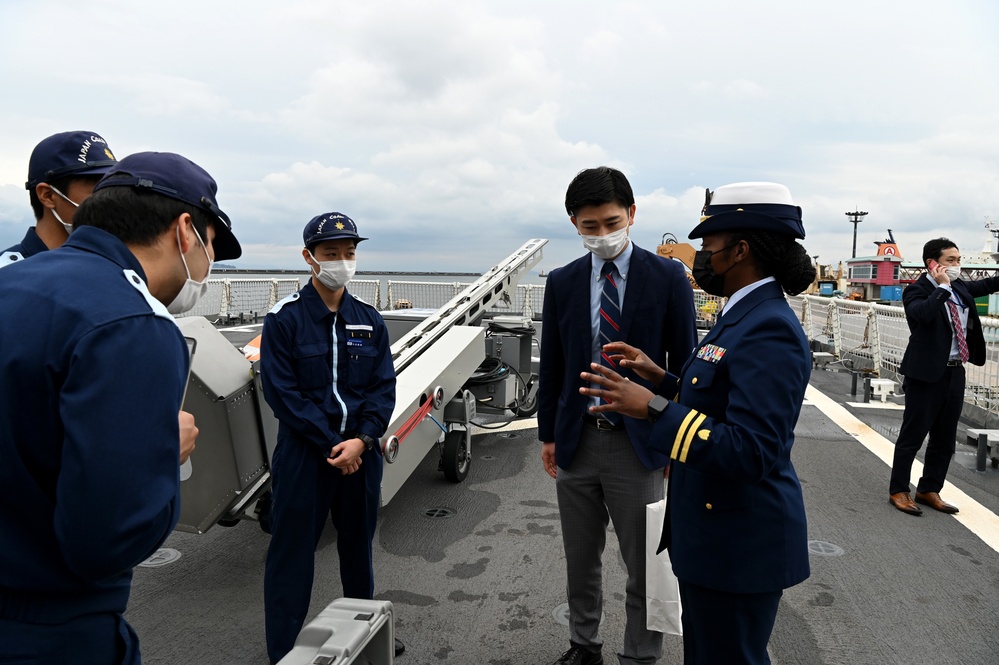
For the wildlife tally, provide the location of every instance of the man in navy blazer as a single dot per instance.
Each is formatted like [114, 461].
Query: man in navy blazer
[945, 333]
[603, 468]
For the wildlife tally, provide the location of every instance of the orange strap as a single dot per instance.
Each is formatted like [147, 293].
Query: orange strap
[415, 419]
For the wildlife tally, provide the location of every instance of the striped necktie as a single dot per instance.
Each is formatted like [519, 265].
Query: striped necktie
[610, 321]
[962, 343]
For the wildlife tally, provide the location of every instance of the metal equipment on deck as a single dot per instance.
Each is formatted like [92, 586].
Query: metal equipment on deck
[227, 477]
[349, 630]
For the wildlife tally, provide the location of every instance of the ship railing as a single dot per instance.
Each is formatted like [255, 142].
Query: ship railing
[229, 300]
[868, 337]
[368, 290]
[242, 300]
[421, 295]
[706, 308]
[527, 300]
[872, 337]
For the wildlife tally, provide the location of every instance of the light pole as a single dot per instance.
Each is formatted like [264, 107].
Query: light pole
[856, 217]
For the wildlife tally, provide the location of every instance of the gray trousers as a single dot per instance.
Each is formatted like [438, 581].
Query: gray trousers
[606, 480]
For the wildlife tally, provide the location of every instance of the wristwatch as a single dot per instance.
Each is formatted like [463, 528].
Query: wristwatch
[369, 443]
[657, 405]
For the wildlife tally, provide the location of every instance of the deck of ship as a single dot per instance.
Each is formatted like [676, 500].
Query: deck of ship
[484, 582]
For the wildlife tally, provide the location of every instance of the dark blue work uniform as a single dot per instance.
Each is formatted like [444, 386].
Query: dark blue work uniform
[328, 376]
[735, 524]
[30, 245]
[92, 372]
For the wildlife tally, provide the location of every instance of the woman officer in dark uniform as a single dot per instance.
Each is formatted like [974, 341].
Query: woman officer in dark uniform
[735, 522]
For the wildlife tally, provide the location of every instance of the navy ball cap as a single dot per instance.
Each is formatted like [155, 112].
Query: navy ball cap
[75, 153]
[329, 226]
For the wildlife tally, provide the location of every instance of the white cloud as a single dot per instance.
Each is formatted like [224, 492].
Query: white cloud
[158, 95]
[449, 130]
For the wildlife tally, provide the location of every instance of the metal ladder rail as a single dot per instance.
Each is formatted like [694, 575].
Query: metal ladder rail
[469, 305]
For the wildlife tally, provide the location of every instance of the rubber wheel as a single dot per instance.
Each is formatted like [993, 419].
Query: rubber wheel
[228, 523]
[455, 459]
[529, 409]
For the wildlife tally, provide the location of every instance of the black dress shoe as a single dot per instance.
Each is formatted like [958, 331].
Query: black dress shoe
[577, 655]
[399, 647]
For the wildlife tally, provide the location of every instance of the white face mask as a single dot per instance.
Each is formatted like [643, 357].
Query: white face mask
[68, 227]
[193, 290]
[608, 246]
[334, 275]
[953, 272]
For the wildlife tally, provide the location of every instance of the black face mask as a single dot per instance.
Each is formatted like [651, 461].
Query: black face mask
[711, 282]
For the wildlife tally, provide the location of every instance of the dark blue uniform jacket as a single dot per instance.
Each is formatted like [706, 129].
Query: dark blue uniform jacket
[657, 317]
[329, 376]
[30, 245]
[736, 519]
[92, 372]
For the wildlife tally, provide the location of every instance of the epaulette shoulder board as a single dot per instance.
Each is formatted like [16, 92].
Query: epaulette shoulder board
[287, 299]
[9, 258]
[362, 300]
[137, 283]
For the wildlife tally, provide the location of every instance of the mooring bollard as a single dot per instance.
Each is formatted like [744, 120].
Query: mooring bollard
[983, 448]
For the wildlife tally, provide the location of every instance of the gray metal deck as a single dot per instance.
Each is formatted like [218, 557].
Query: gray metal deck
[485, 584]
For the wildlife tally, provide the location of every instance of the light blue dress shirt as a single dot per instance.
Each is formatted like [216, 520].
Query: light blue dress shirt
[622, 262]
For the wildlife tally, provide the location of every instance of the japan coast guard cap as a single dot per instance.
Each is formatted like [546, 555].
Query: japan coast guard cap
[76, 153]
[749, 206]
[179, 178]
[329, 226]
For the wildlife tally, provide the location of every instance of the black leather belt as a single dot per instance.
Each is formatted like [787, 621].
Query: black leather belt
[954, 363]
[601, 423]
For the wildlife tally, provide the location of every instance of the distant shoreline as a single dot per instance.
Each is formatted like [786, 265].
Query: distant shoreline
[282, 271]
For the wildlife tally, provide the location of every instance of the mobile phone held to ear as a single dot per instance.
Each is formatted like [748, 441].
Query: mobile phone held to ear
[933, 265]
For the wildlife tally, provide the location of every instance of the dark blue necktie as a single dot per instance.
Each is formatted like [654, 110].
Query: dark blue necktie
[610, 322]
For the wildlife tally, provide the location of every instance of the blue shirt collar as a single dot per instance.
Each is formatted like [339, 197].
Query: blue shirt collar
[950, 287]
[32, 244]
[318, 309]
[743, 292]
[622, 262]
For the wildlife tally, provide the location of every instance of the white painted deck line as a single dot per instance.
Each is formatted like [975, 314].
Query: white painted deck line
[973, 515]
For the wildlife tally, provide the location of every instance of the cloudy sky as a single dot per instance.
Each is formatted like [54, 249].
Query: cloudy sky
[449, 129]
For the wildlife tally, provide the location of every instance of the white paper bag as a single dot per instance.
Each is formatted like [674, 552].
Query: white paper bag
[662, 594]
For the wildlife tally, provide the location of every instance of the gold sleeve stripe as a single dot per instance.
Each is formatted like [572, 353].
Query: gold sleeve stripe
[680, 432]
[690, 436]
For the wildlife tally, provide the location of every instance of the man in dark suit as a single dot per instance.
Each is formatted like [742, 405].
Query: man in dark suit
[602, 466]
[945, 333]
